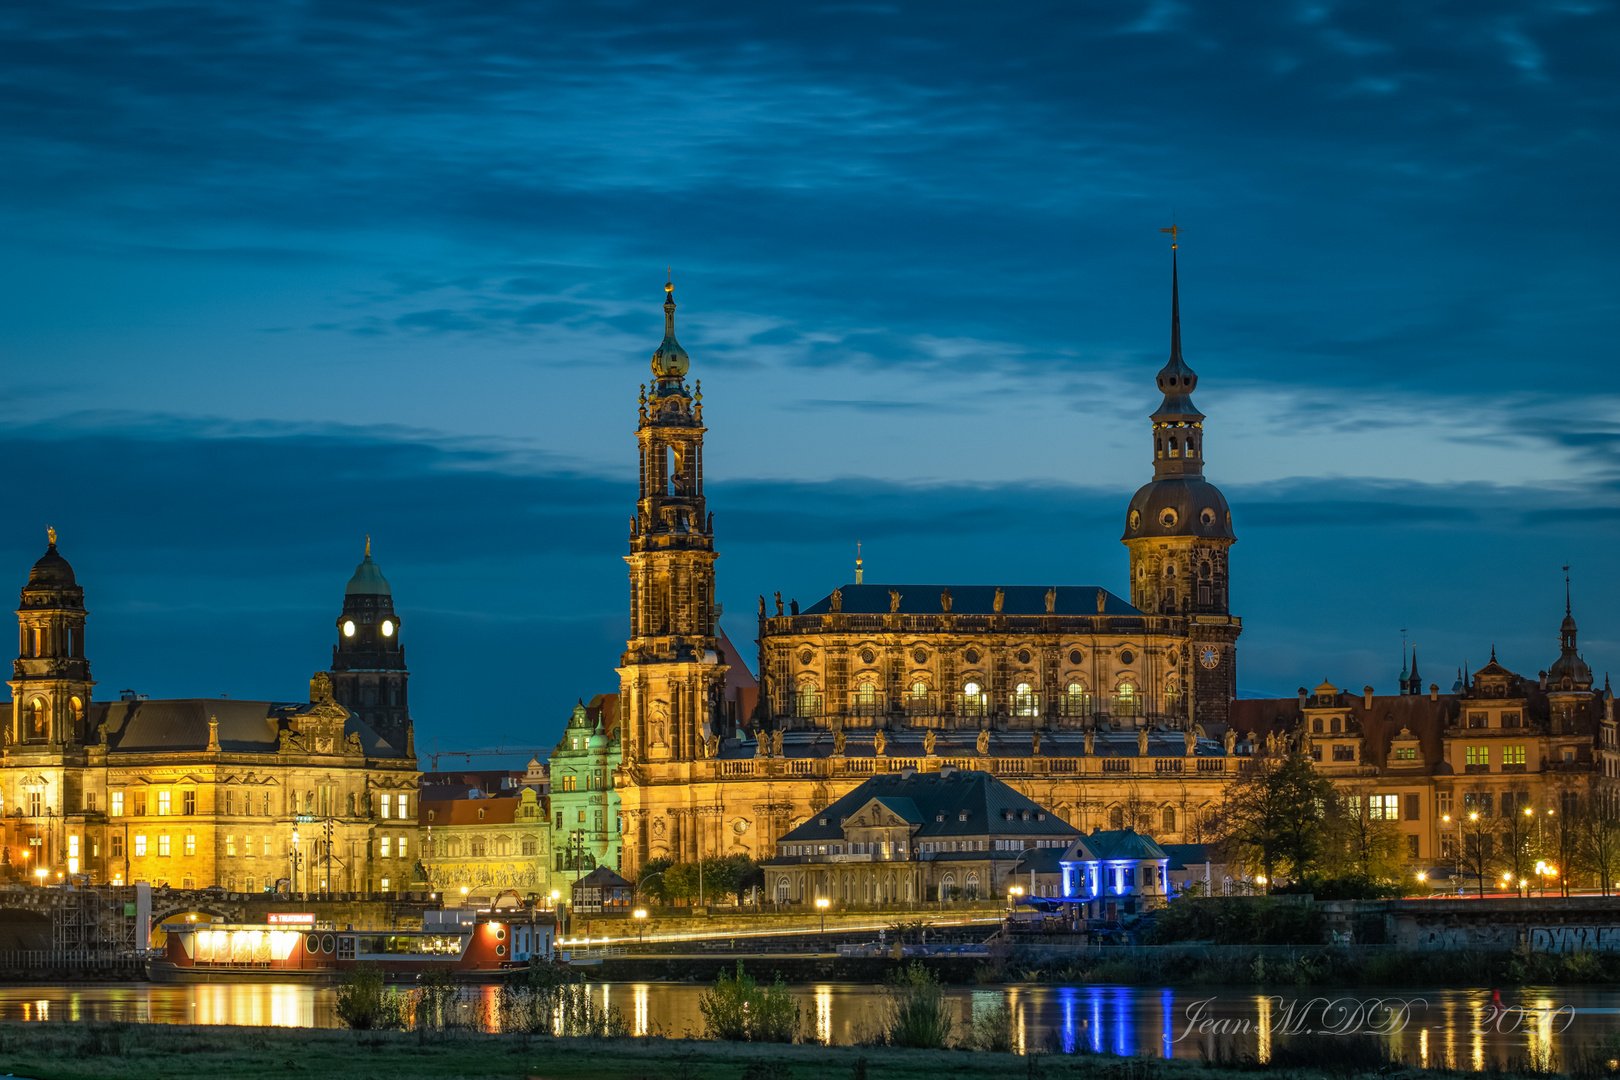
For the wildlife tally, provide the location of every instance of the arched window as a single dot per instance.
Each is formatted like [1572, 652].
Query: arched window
[1158, 448]
[1192, 447]
[1024, 700]
[919, 690]
[971, 887]
[783, 891]
[972, 699]
[1076, 700]
[1172, 446]
[809, 701]
[866, 699]
[77, 708]
[1333, 725]
[1116, 817]
[1169, 819]
[1316, 726]
[1127, 702]
[947, 886]
[39, 723]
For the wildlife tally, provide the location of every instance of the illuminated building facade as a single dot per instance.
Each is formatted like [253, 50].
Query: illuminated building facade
[1115, 872]
[1114, 710]
[909, 837]
[195, 792]
[487, 844]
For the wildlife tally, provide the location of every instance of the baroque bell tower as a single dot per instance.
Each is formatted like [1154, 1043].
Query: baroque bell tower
[368, 672]
[1178, 529]
[50, 683]
[670, 674]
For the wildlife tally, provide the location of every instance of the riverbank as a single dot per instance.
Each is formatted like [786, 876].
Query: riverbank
[71, 1051]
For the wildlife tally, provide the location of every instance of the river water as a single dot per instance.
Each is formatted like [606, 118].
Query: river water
[1467, 1030]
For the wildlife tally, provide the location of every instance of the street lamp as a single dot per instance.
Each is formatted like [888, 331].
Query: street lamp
[1014, 893]
[821, 905]
[640, 915]
[293, 855]
[40, 873]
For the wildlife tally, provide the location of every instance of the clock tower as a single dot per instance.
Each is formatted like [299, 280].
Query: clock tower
[1178, 530]
[368, 672]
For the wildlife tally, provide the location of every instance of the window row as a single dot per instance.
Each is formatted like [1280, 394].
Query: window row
[974, 700]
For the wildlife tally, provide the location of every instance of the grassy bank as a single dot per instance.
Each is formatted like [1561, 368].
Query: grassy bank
[74, 1051]
[60, 1051]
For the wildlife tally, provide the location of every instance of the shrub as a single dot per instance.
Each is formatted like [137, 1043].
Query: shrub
[364, 1005]
[917, 1014]
[990, 1029]
[1238, 920]
[738, 1009]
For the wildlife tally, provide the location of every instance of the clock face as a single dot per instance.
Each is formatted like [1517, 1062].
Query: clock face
[1210, 657]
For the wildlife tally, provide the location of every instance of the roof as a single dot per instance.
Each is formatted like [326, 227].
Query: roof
[496, 811]
[52, 571]
[1047, 860]
[1185, 855]
[180, 725]
[604, 878]
[926, 797]
[974, 600]
[368, 579]
[1112, 844]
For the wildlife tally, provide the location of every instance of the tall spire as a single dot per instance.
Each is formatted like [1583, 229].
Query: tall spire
[859, 574]
[1175, 309]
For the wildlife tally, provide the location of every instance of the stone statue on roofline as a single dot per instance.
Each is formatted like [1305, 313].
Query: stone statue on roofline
[984, 741]
[929, 741]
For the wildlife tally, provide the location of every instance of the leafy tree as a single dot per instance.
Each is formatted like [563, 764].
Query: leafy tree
[1273, 815]
[1358, 845]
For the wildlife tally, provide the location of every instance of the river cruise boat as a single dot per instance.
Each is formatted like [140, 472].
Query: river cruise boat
[294, 947]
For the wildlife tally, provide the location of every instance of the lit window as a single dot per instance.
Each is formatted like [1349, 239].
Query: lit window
[117, 803]
[188, 802]
[163, 845]
[191, 844]
[1126, 700]
[1406, 753]
[404, 805]
[402, 847]
[384, 884]
[140, 843]
[1023, 700]
[1513, 755]
[1478, 755]
[385, 851]
[386, 802]
[1384, 807]
[230, 844]
[163, 804]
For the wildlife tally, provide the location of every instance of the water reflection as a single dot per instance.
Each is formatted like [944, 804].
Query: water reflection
[1471, 1029]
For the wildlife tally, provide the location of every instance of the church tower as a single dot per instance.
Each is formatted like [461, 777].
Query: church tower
[671, 678]
[368, 662]
[50, 683]
[1178, 530]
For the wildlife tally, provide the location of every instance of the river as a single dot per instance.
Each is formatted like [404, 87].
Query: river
[1467, 1030]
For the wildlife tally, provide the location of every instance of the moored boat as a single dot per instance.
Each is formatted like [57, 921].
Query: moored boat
[294, 947]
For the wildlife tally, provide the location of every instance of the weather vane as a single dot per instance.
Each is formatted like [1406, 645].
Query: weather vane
[1175, 233]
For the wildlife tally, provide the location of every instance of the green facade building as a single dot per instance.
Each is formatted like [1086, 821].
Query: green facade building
[585, 808]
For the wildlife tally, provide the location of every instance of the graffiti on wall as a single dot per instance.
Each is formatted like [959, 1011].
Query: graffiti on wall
[1568, 939]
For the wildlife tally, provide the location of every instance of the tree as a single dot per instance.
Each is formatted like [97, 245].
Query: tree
[1599, 838]
[1358, 844]
[1272, 815]
[1519, 834]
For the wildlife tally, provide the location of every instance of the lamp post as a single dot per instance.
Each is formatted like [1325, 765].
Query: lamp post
[821, 905]
[292, 856]
[640, 915]
[1012, 896]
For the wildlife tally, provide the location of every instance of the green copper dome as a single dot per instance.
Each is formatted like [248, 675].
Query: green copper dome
[368, 578]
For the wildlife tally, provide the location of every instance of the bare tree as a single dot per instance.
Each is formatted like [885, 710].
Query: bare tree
[1599, 830]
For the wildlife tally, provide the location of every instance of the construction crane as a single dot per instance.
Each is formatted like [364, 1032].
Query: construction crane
[435, 754]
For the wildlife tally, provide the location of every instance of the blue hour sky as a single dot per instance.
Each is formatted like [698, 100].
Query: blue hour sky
[277, 276]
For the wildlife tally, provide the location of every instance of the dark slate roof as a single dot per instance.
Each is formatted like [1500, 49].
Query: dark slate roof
[932, 794]
[52, 571]
[181, 725]
[1184, 855]
[1113, 844]
[603, 877]
[973, 600]
[1041, 860]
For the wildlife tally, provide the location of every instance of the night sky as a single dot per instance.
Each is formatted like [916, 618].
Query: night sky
[277, 276]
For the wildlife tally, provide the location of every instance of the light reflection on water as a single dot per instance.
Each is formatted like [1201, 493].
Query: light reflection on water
[1046, 1019]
